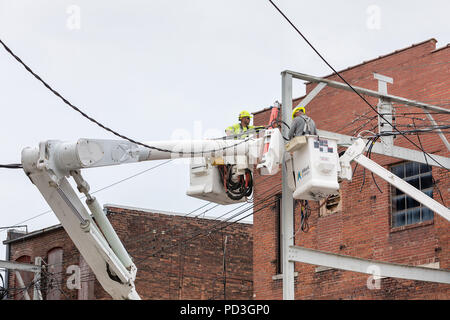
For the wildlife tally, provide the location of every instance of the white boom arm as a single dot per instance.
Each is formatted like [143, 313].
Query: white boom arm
[49, 166]
[355, 153]
[89, 153]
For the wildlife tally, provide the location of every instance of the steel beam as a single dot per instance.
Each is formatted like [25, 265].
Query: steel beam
[395, 151]
[22, 285]
[386, 269]
[404, 186]
[11, 265]
[388, 97]
[314, 92]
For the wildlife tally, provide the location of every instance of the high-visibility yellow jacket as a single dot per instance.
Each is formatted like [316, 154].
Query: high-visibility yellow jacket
[238, 130]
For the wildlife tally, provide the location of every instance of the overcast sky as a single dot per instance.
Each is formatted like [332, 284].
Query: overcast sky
[154, 70]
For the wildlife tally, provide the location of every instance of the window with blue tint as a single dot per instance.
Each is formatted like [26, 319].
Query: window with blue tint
[406, 210]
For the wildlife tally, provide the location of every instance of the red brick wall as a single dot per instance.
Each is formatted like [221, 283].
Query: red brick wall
[168, 267]
[362, 227]
[39, 246]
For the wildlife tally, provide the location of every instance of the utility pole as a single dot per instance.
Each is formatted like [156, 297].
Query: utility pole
[287, 208]
[386, 122]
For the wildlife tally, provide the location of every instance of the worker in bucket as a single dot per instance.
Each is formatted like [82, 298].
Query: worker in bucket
[238, 129]
[301, 124]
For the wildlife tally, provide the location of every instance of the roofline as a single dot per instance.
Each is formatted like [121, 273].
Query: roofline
[442, 48]
[368, 61]
[169, 213]
[106, 206]
[33, 234]
[382, 56]
[263, 110]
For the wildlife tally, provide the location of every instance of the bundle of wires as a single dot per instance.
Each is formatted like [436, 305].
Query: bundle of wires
[3, 290]
[238, 188]
[305, 212]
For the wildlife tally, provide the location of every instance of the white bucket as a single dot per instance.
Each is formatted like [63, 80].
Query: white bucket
[206, 183]
[315, 166]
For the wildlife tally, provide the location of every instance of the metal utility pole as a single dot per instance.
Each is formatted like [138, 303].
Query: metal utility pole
[287, 207]
[291, 253]
[287, 200]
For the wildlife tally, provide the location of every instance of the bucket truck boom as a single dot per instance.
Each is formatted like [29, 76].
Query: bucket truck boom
[51, 164]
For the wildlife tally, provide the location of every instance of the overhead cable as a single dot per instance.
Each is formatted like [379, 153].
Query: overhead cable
[67, 102]
[99, 190]
[350, 86]
[11, 166]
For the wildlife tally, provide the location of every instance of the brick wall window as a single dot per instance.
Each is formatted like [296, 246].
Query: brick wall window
[27, 278]
[406, 210]
[54, 277]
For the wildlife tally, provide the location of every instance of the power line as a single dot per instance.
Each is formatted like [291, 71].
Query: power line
[67, 102]
[20, 290]
[350, 86]
[214, 228]
[188, 239]
[404, 132]
[226, 213]
[191, 236]
[209, 231]
[94, 192]
[204, 233]
[426, 160]
[140, 237]
[84, 279]
[11, 166]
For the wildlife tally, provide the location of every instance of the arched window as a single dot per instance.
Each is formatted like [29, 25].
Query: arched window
[20, 290]
[55, 272]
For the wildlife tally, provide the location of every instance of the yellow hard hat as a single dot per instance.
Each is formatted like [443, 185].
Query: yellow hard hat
[244, 114]
[297, 110]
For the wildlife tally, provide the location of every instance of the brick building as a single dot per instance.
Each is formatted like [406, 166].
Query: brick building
[364, 222]
[168, 267]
